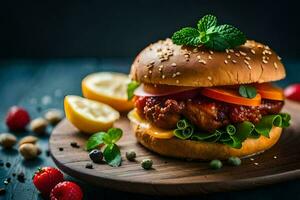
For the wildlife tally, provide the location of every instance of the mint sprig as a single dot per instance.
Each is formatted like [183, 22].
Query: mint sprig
[209, 34]
[111, 153]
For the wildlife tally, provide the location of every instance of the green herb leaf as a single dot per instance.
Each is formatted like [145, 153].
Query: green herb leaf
[207, 22]
[187, 36]
[94, 141]
[112, 155]
[113, 135]
[210, 35]
[247, 91]
[130, 89]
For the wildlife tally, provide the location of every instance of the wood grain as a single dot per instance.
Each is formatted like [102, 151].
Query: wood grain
[178, 177]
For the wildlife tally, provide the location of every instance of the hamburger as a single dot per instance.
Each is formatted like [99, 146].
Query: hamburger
[196, 102]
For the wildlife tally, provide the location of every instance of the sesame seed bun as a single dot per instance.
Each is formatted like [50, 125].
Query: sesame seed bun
[166, 63]
[198, 150]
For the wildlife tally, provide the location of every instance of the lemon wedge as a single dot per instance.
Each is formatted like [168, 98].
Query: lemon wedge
[109, 88]
[89, 116]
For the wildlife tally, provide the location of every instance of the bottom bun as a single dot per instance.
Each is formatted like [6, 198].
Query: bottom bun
[198, 150]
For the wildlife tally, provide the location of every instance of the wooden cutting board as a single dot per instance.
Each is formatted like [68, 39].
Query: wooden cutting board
[178, 177]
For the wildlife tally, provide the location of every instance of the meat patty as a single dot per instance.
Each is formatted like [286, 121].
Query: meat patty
[164, 113]
[205, 113]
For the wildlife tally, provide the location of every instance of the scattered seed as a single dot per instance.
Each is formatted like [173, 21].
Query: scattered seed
[28, 139]
[38, 125]
[13, 174]
[209, 57]
[74, 145]
[7, 181]
[7, 140]
[275, 157]
[2, 191]
[147, 164]
[256, 163]
[209, 78]
[265, 61]
[89, 166]
[29, 151]
[173, 64]
[131, 155]
[251, 159]
[225, 61]
[47, 153]
[8, 164]
[234, 61]
[215, 164]
[275, 65]
[21, 177]
[53, 116]
[235, 161]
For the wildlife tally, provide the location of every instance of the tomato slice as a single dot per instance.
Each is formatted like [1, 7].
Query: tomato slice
[230, 96]
[268, 91]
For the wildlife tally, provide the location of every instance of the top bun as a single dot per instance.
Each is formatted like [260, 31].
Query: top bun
[166, 63]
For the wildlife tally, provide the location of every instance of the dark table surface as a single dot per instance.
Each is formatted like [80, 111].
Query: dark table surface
[42, 84]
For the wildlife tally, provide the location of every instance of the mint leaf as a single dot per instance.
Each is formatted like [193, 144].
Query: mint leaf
[130, 89]
[207, 22]
[112, 155]
[247, 91]
[187, 36]
[209, 34]
[113, 135]
[94, 141]
[233, 36]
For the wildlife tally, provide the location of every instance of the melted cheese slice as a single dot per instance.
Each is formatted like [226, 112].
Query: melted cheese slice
[143, 124]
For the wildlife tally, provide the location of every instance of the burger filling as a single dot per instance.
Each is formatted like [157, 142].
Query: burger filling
[227, 115]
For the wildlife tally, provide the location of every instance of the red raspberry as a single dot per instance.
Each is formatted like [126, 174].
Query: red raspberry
[66, 191]
[17, 118]
[46, 178]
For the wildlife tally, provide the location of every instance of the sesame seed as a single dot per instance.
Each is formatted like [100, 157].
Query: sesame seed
[202, 52]
[152, 62]
[178, 73]
[177, 81]
[173, 64]
[195, 50]
[209, 78]
[202, 61]
[249, 66]
[211, 52]
[251, 159]
[279, 58]
[145, 76]
[174, 75]
[252, 51]
[246, 62]
[227, 51]
[275, 65]
[187, 55]
[231, 50]
[237, 54]
[256, 163]
[209, 57]
[229, 56]
[234, 61]
[199, 57]
[150, 71]
[225, 61]
[275, 157]
[267, 47]
[247, 58]
[242, 53]
[163, 76]
[265, 61]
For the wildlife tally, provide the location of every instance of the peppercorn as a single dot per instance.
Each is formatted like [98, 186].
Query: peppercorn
[147, 164]
[74, 145]
[131, 155]
[235, 161]
[89, 166]
[8, 164]
[215, 164]
[21, 177]
[96, 156]
[60, 149]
